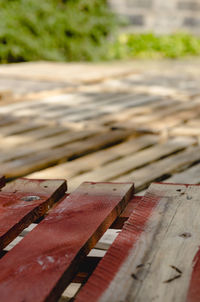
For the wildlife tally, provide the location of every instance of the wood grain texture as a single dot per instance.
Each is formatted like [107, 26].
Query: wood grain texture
[15, 168]
[157, 252]
[97, 159]
[144, 176]
[127, 164]
[24, 201]
[191, 175]
[45, 261]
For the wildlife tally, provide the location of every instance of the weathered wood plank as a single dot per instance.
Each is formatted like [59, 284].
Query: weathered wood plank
[191, 175]
[160, 120]
[152, 258]
[185, 130]
[129, 113]
[125, 165]
[167, 166]
[45, 261]
[76, 149]
[48, 142]
[20, 128]
[94, 160]
[23, 201]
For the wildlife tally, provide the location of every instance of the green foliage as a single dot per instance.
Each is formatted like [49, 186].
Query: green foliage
[60, 30]
[78, 30]
[152, 46]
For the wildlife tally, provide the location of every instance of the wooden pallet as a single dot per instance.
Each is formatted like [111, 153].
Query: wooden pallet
[121, 127]
[38, 134]
[155, 256]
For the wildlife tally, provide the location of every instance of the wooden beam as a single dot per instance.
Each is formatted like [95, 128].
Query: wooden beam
[41, 266]
[156, 254]
[24, 201]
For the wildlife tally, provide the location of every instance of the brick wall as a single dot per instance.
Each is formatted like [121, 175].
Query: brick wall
[160, 16]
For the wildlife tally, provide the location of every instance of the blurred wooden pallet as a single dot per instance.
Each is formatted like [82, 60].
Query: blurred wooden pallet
[67, 129]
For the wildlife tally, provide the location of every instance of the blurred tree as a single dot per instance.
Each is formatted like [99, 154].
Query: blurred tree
[61, 30]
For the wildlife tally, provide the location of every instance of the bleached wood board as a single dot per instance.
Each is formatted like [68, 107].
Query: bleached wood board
[48, 157]
[165, 118]
[47, 142]
[37, 137]
[185, 130]
[20, 128]
[159, 104]
[110, 107]
[131, 162]
[167, 166]
[191, 175]
[156, 256]
[97, 159]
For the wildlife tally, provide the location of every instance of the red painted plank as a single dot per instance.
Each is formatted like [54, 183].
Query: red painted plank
[2, 181]
[45, 261]
[118, 252]
[24, 201]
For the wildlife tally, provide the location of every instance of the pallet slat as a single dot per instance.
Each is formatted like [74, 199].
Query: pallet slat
[191, 175]
[144, 176]
[125, 165]
[59, 243]
[24, 201]
[97, 159]
[34, 162]
[156, 256]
